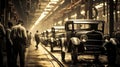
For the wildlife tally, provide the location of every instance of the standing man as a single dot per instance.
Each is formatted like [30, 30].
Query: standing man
[9, 45]
[117, 37]
[2, 35]
[28, 39]
[37, 39]
[19, 36]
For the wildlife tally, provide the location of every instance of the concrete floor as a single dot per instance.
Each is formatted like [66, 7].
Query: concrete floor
[40, 58]
[84, 60]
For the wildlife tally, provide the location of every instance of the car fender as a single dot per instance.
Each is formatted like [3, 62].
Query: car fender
[113, 41]
[75, 40]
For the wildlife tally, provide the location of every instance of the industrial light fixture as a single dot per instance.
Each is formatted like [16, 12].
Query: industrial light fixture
[55, 8]
[60, 22]
[82, 12]
[62, 1]
[59, 27]
[55, 0]
[118, 12]
[49, 30]
[46, 12]
[66, 19]
[100, 5]
[74, 16]
[48, 8]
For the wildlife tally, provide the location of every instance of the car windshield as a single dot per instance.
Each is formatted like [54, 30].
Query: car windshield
[88, 26]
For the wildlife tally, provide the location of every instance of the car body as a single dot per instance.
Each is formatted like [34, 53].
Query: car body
[83, 36]
[56, 32]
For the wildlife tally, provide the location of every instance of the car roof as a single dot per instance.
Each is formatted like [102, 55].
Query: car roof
[59, 27]
[85, 21]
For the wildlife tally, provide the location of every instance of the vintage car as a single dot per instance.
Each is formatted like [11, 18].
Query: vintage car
[83, 36]
[44, 38]
[56, 32]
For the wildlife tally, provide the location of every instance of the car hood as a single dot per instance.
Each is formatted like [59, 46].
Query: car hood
[87, 32]
[81, 32]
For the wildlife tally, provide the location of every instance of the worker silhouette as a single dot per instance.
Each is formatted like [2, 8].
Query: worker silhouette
[9, 44]
[37, 39]
[2, 35]
[19, 37]
[28, 38]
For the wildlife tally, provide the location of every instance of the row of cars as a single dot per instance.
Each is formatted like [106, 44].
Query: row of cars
[77, 37]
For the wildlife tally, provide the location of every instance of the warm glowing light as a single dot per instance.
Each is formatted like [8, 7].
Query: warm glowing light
[82, 12]
[62, 1]
[45, 12]
[66, 19]
[32, 27]
[50, 6]
[55, 24]
[56, 8]
[98, 17]
[59, 27]
[46, 9]
[40, 18]
[54, 0]
[118, 11]
[60, 22]
[74, 16]
[100, 5]
[49, 30]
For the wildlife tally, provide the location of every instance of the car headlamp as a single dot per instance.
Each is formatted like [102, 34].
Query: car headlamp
[75, 40]
[83, 38]
[52, 39]
[57, 39]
